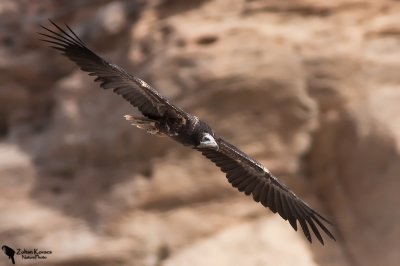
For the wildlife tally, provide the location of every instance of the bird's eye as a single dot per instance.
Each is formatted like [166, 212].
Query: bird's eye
[206, 138]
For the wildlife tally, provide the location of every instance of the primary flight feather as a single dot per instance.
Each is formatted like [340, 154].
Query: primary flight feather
[160, 117]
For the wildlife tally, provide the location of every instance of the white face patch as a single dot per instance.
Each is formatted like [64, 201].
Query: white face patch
[207, 138]
[208, 141]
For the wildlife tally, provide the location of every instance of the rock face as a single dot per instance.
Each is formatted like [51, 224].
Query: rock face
[309, 88]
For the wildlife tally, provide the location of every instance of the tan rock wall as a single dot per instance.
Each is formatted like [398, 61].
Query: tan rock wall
[308, 88]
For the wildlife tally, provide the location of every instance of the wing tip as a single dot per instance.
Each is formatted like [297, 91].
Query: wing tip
[67, 39]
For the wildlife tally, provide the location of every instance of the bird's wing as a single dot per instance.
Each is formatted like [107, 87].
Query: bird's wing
[133, 89]
[250, 177]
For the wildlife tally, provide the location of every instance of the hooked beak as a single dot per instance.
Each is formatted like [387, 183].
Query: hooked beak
[208, 142]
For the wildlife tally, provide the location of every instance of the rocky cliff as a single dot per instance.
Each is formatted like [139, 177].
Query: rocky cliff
[309, 88]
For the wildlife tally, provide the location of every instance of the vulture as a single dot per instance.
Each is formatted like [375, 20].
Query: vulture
[162, 118]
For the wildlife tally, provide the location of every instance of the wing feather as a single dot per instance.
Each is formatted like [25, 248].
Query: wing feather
[306, 232]
[271, 200]
[250, 187]
[285, 208]
[245, 182]
[250, 177]
[292, 217]
[257, 192]
[278, 202]
[110, 76]
[264, 194]
[314, 229]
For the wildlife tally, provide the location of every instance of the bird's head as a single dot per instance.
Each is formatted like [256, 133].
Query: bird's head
[208, 141]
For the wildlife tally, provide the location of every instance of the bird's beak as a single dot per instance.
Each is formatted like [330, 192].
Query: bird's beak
[210, 144]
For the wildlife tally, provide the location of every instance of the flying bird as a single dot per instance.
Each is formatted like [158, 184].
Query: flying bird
[162, 118]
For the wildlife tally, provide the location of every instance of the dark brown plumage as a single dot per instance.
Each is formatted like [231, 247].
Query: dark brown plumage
[163, 118]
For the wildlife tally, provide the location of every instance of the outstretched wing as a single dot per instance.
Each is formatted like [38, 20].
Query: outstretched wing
[136, 91]
[250, 177]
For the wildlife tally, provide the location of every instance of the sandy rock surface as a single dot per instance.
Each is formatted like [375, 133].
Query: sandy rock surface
[309, 88]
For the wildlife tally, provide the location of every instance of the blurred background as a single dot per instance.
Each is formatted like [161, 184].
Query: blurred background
[310, 88]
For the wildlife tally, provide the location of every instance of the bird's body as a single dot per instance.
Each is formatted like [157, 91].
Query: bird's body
[185, 130]
[162, 118]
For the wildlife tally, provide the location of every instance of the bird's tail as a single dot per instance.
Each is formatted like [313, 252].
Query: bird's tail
[144, 123]
[12, 260]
